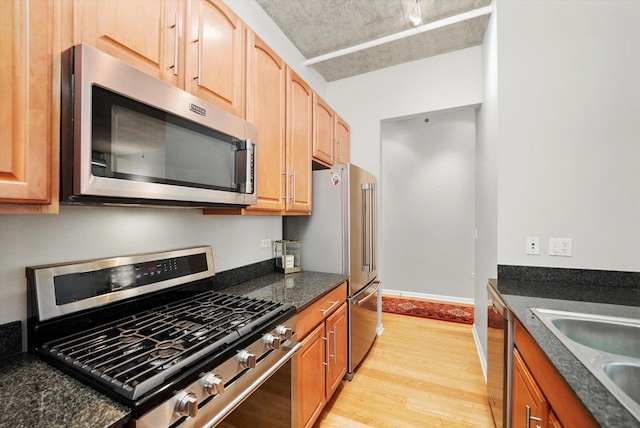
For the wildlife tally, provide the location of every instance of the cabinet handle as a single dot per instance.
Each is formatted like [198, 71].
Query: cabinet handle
[531, 418]
[176, 41]
[293, 186]
[337, 151]
[333, 304]
[286, 186]
[335, 345]
[327, 353]
[199, 42]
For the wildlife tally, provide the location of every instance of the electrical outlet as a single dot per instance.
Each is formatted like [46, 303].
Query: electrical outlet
[560, 247]
[533, 245]
[266, 243]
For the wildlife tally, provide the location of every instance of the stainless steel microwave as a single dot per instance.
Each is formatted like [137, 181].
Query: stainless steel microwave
[130, 138]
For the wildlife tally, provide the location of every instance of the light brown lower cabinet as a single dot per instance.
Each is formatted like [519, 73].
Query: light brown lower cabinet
[541, 397]
[322, 360]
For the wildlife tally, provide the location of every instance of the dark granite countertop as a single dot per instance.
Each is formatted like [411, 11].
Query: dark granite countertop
[299, 289]
[624, 301]
[35, 394]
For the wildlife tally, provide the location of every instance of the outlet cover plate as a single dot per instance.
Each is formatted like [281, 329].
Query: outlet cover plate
[560, 247]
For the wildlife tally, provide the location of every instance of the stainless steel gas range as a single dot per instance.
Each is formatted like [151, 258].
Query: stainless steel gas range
[150, 332]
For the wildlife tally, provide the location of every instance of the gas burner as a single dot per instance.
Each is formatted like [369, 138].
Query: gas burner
[163, 356]
[201, 334]
[166, 347]
[129, 336]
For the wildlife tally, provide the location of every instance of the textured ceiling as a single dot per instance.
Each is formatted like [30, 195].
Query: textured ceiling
[318, 27]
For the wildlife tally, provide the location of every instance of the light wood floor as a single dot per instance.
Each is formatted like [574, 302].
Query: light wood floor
[419, 373]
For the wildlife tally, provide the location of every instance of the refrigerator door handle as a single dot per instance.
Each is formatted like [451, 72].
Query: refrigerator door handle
[366, 230]
[372, 225]
[367, 227]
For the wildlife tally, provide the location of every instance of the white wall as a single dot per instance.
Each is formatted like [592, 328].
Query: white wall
[433, 84]
[569, 149]
[428, 85]
[81, 233]
[428, 172]
[486, 184]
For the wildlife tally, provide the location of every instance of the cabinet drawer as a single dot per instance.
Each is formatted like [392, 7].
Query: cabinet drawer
[319, 310]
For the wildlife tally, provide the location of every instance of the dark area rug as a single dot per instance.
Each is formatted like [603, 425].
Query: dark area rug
[427, 309]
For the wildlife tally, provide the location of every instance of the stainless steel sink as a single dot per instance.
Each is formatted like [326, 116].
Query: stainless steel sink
[608, 346]
[608, 336]
[626, 376]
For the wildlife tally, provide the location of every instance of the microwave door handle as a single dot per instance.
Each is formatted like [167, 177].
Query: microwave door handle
[249, 168]
[244, 166]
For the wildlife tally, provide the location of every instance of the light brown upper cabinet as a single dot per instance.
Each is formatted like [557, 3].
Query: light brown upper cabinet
[142, 33]
[280, 104]
[299, 138]
[266, 99]
[29, 106]
[198, 45]
[215, 55]
[323, 134]
[343, 141]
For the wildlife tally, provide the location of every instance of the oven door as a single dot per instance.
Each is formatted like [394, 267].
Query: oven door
[272, 405]
[263, 396]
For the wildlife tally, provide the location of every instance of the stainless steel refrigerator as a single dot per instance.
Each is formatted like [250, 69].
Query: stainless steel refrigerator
[340, 236]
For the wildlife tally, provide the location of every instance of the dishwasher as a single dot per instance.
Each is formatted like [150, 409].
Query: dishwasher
[499, 357]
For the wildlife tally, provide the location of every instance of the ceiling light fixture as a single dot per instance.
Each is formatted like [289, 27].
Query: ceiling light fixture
[415, 17]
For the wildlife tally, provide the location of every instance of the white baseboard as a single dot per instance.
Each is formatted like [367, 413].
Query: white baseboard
[451, 299]
[483, 360]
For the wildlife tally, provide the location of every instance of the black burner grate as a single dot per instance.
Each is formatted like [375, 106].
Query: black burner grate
[136, 354]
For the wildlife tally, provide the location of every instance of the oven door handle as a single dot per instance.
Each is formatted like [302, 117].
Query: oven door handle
[255, 385]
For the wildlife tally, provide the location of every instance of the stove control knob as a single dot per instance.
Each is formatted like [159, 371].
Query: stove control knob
[212, 384]
[284, 331]
[187, 404]
[272, 342]
[247, 359]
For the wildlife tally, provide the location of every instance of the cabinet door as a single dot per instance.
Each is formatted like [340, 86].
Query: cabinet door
[311, 377]
[299, 139]
[29, 105]
[342, 141]
[266, 90]
[554, 422]
[530, 408]
[323, 118]
[215, 55]
[336, 333]
[142, 33]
